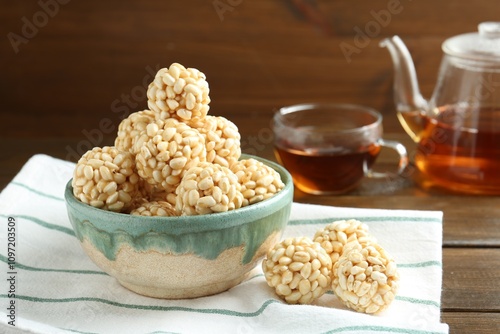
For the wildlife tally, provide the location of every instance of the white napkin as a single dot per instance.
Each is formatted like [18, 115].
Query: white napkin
[59, 290]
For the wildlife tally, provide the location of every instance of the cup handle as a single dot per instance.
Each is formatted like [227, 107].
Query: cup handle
[403, 158]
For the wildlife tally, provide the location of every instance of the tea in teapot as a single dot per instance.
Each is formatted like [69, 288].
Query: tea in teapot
[458, 130]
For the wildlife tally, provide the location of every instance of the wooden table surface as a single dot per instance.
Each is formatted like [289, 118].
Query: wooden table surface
[471, 241]
[65, 87]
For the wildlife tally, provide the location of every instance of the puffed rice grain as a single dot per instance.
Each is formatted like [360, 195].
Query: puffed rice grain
[298, 269]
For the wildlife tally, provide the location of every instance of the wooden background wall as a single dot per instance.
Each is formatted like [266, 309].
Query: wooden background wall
[85, 61]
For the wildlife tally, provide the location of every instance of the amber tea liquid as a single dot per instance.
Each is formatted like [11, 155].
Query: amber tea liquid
[459, 151]
[326, 173]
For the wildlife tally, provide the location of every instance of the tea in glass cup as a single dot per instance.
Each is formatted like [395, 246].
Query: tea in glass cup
[329, 148]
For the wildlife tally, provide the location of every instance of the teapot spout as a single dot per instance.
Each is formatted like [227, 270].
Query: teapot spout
[406, 92]
[410, 103]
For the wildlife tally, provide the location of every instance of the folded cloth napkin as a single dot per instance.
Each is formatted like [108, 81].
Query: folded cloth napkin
[51, 286]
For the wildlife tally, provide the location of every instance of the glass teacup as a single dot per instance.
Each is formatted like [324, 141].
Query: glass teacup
[329, 148]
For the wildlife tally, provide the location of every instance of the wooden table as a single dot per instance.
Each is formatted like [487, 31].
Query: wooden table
[471, 241]
[70, 82]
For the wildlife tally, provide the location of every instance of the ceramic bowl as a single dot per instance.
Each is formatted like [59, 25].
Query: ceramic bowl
[181, 257]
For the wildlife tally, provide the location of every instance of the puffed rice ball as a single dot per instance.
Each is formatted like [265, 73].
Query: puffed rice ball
[131, 128]
[222, 139]
[169, 153]
[155, 208]
[365, 278]
[335, 235]
[298, 269]
[106, 178]
[179, 92]
[258, 181]
[208, 188]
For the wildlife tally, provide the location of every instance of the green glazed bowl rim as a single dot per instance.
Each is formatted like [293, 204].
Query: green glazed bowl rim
[113, 221]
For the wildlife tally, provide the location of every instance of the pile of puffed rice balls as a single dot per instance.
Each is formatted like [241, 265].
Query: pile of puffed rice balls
[342, 257]
[173, 159]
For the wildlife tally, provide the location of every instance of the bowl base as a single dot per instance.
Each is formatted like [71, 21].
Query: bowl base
[182, 293]
[168, 276]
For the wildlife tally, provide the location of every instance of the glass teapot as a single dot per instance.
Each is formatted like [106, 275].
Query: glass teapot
[457, 131]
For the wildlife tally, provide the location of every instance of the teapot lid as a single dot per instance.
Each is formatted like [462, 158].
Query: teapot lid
[482, 45]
